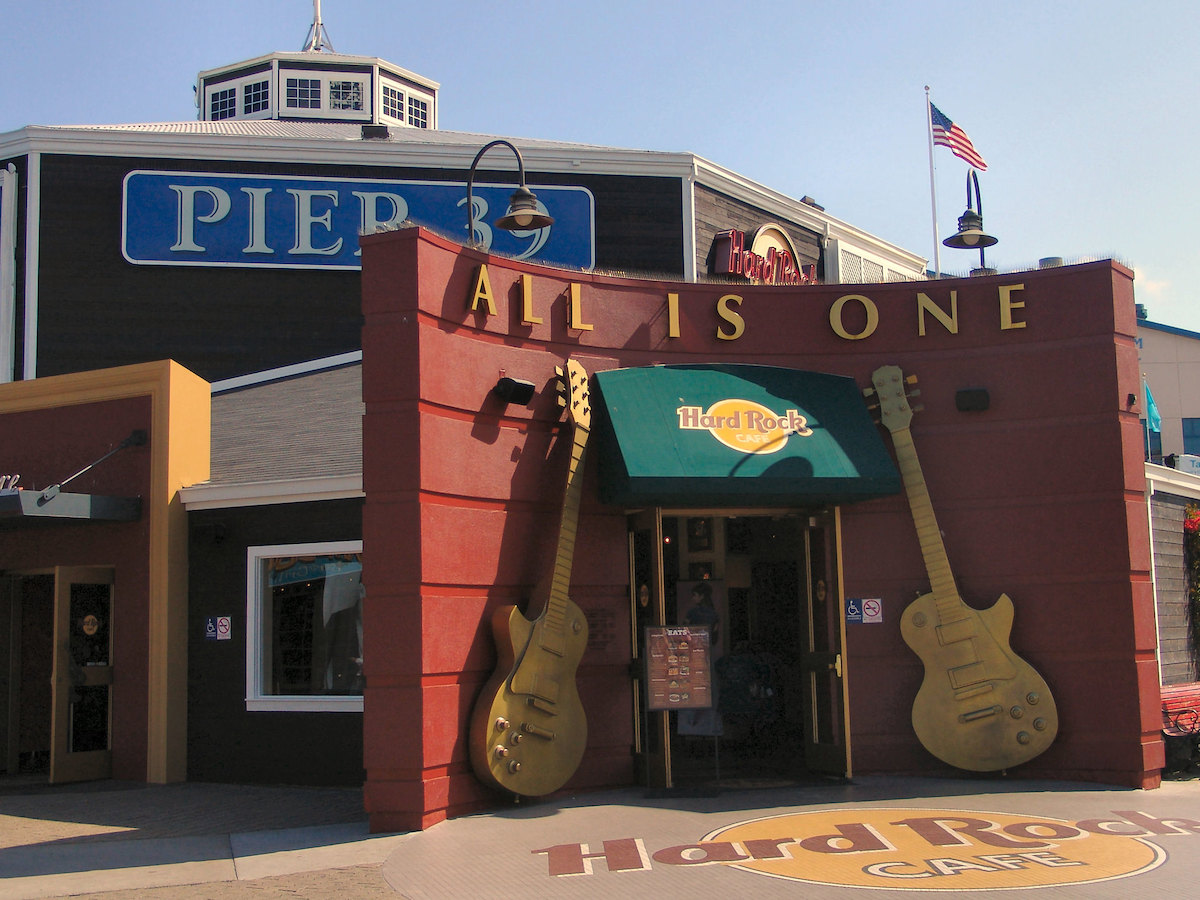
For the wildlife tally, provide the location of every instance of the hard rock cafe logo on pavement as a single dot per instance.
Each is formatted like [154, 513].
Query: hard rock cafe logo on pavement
[905, 849]
[744, 425]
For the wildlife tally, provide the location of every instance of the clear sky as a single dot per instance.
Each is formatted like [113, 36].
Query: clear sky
[1079, 108]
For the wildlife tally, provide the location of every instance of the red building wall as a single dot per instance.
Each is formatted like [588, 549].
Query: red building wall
[46, 446]
[1040, 496]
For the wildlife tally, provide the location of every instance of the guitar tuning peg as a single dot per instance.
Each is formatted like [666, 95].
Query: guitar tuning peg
[868, 392]
[910, 379]
[872, 406]
[915, 392]
[919, 407]
[558, 370]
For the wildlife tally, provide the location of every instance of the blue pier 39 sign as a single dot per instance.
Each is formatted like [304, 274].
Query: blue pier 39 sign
[212, 219]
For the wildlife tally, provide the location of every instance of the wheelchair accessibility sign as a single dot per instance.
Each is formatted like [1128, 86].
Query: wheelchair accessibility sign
[218, 628]
[864, 611]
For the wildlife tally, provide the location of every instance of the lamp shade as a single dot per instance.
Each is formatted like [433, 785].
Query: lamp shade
[971, 235]
[523, 212]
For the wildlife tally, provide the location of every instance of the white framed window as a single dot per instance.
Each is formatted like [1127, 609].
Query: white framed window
[304, 627]
[393, 103]
[256, 97]
[418, 112]
[223, 105]
[346, 95]
[303, 93]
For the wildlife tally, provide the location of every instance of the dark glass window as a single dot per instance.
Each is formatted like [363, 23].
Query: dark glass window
[313, 618]
[418, 113]
[256, 97]
[223, 104]
[393, 103]
[304, 93]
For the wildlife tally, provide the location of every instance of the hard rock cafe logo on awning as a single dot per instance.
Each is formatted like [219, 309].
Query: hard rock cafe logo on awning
[744, 425]
[906, 849]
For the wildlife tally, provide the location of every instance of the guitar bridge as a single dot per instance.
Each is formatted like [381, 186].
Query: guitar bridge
[538, 732]
[977, 714]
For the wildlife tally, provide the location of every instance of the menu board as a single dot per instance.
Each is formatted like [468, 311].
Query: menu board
[678, 668]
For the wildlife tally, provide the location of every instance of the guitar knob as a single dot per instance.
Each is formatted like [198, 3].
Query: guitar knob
[517, 737]
[1039, 723]
[514, 766]
[919, 620]
[1032, 698]
[1016, 712]
[502, 724]
[1023, 737]
[501, 751]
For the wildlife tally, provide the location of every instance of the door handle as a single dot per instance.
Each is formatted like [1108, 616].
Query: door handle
[836, 665]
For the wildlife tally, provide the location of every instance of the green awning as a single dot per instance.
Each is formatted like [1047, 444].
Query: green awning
[736, 436]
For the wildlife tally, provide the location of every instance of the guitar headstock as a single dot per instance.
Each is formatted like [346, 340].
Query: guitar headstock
[893, 388]
[573, 394]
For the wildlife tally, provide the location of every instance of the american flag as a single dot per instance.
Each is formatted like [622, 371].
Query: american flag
[947, 134]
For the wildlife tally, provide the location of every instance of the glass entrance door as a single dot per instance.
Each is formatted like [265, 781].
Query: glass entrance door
[646, 590]
[826, 740]
[766, 587]
[80, 746]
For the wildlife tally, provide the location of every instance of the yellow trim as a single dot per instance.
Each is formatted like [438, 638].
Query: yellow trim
[841, 601]
[179, 456]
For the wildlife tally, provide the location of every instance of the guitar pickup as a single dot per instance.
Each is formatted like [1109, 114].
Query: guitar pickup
[953, 632]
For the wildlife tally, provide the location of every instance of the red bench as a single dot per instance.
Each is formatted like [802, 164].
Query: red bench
[1181, 724]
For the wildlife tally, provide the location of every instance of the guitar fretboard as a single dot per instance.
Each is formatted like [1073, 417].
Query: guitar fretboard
[933, 550]
[553, 635]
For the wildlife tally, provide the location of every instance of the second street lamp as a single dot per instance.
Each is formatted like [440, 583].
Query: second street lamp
[523, 212]
[970, 224]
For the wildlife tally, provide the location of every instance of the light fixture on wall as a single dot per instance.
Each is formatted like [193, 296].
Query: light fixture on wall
[523, 212]
[970, 234]
[514, 390]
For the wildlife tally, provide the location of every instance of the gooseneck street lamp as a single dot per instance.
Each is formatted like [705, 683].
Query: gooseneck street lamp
[523, 212]
[970, 224]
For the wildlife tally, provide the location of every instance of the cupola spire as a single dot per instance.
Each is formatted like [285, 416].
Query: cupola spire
[318, 38]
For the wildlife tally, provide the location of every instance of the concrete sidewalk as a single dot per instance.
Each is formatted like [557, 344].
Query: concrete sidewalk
[825, 840]
[133, 838]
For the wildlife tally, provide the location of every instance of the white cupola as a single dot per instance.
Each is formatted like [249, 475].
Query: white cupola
[318, 85]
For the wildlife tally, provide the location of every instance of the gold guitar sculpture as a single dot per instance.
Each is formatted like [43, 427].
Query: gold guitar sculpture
[528, 728]
[980, 707]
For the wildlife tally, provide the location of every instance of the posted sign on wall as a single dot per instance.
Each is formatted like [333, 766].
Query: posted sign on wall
[678, 668]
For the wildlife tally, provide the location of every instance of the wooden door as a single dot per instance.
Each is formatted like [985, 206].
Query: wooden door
[81, 723]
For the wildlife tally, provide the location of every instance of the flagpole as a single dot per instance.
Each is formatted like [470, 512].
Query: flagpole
[937, 259]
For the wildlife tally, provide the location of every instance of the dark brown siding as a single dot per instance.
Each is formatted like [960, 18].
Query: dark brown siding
[96, 310]
[225, 742]
[716, 212]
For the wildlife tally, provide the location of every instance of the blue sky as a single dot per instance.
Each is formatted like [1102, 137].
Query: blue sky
[1079, 108]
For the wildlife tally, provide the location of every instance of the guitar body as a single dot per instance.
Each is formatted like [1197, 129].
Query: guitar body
[980, 707]
[528, 728]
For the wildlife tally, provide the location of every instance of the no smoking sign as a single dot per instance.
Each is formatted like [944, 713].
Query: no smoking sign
[864, 611]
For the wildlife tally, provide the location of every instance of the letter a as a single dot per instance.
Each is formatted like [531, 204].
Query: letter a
[482, 291]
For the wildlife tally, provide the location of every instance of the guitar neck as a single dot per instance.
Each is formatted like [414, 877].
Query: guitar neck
[933, 551]
[555, 615]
